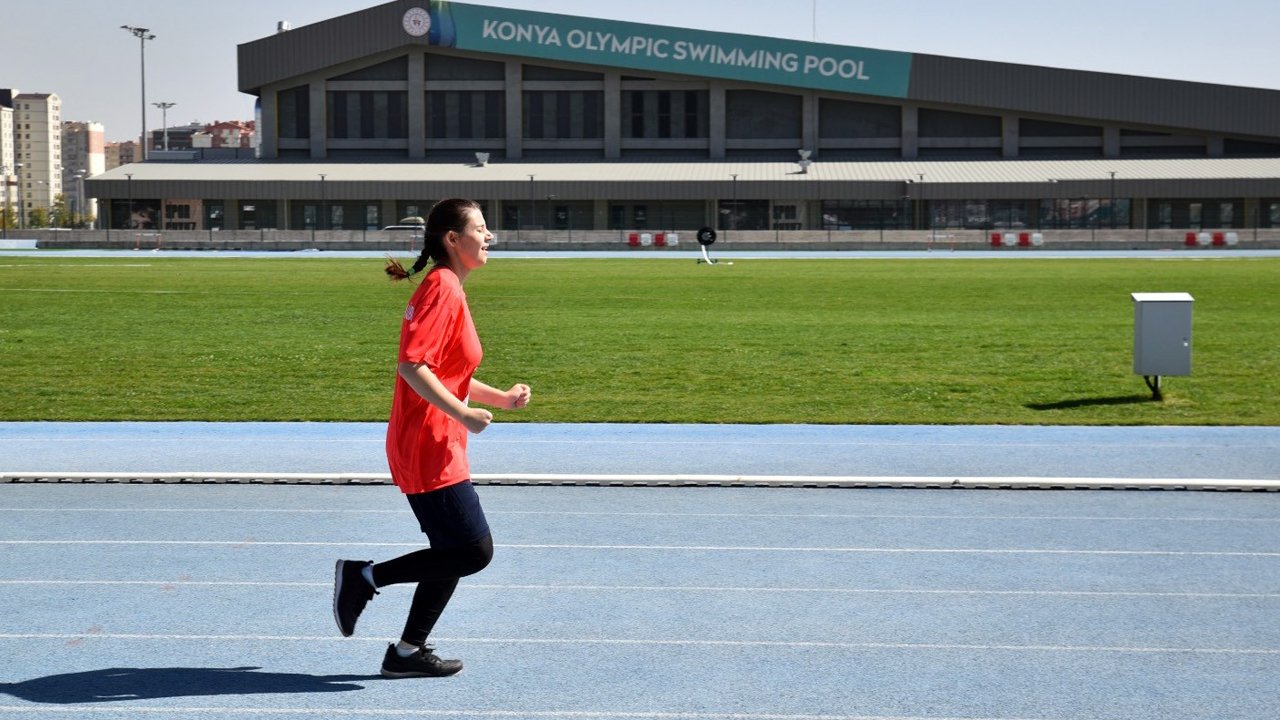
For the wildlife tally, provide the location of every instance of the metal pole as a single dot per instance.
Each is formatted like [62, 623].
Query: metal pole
[1113, 199]
[22, 205]
[733, 215]
[143, 35]
[164, 120]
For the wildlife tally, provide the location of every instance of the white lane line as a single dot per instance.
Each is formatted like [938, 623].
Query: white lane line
[682, 588]
[590, 513]
[967, 647]
[660, 480]
[27, 710]
[671, 548]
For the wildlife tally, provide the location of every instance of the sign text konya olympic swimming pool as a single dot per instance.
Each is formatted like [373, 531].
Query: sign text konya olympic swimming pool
[637, 46]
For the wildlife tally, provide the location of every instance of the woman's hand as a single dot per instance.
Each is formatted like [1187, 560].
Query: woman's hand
[518, 396]
[475, 420]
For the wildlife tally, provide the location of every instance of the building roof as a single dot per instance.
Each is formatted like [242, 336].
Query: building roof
[762, 61]
[985, 179]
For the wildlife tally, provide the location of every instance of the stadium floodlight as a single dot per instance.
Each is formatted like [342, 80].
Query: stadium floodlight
[143, 35]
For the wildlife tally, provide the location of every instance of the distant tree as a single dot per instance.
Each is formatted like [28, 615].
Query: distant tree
[9, 217]
[61, 215]
[38, 218]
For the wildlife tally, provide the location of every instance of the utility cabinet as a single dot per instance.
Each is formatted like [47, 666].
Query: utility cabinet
[1161, 336]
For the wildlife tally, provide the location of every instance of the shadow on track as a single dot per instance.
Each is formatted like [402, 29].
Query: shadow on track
[118, 684]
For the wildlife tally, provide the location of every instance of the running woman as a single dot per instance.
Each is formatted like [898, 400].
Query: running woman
[427, 442]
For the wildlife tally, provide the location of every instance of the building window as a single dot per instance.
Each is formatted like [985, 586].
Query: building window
[293, 109]
[637, 114]
[1227, 215]
[866, 214]
[563, 115]
[759, 115]
[665, 114]
[463, 115]
[367, 115]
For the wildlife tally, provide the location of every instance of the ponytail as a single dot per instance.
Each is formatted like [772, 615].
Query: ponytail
[445, 216]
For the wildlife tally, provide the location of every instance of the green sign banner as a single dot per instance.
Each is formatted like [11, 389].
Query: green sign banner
[657, 48]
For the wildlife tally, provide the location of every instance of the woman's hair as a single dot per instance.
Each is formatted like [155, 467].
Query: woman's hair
[445, 215]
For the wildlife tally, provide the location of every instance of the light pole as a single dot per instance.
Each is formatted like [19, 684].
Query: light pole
[733, 214]
[532, 209]
[4, 209]
[81, 205]
[164, 120]
[128, 212]
[143, 35]
[22, 205]
[323, 207]
[1113, 199]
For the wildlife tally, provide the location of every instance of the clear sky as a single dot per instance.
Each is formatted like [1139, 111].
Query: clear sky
[75, 48]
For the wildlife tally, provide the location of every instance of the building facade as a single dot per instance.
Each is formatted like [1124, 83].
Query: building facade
[8, 176]
[368, 117]
[84, 156]
[37, 143]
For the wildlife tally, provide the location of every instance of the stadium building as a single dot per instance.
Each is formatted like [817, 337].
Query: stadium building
[596, 130]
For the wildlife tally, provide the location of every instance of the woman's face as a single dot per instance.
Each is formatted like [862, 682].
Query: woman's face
[471, 244]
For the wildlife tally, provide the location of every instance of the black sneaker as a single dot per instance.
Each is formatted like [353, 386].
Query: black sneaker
[423, 663]
[351, 592]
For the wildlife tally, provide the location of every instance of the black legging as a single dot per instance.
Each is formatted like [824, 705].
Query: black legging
[436, 570]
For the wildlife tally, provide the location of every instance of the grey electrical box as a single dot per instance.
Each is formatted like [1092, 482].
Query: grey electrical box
[1162, 334]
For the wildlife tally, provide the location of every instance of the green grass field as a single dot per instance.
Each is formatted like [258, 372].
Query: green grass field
[763, 341]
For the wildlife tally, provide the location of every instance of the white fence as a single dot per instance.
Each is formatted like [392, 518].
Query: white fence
[660, 240]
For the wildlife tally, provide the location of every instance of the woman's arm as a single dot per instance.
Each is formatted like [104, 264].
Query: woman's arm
[425, 383]
[517, 397]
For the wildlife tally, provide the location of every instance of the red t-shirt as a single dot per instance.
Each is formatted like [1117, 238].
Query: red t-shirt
[427, 449]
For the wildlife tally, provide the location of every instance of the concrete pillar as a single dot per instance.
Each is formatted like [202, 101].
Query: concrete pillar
[417, 104]
[515, 110]
[719, 124]
[319, 144]
[599, 214]
[612, 115]
[1009, 136]
[809, 124]
[1111, 141]
[230, 214]
[268, 137]
[910, 132]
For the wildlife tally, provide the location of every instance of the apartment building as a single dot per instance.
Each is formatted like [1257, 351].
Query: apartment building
[37, 150]
[84, 155]
[8, 180]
